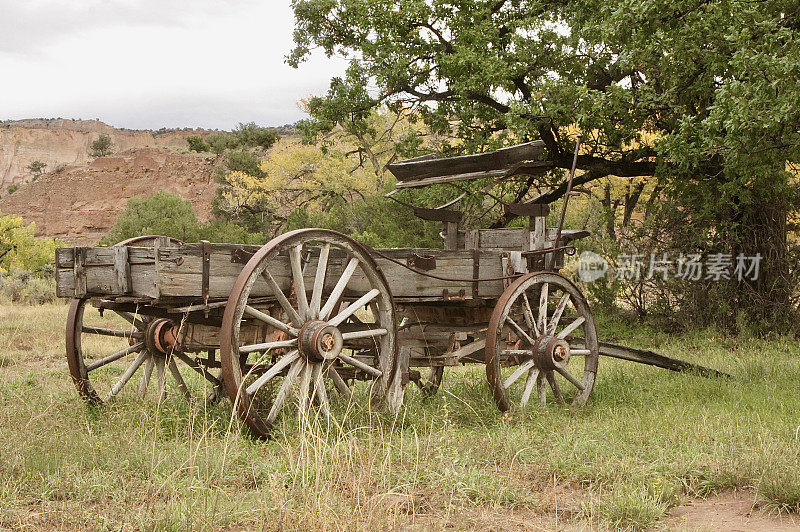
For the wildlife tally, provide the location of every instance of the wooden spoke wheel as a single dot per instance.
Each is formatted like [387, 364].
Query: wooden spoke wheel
[106, 348]
[336, 325]
[541, 338]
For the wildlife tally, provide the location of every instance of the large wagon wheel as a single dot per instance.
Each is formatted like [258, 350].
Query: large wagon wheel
[541, 329]
[105, 349]
[343, 333]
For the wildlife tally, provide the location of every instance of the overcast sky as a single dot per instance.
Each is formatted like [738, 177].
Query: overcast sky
[146, 64]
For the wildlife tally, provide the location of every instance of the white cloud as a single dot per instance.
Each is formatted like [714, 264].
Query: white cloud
[148, 64]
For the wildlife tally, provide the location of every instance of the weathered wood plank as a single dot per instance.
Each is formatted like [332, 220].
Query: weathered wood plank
[176, 272]
[122, 269]
[518, 238]
[503, 159]
[65, 257]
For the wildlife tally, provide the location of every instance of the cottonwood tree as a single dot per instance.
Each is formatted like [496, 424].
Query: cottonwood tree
[700, 95]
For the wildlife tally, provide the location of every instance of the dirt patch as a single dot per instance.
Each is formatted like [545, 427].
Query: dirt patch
[732, 511]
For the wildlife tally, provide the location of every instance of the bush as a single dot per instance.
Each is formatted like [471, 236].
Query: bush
[252, 136]
[36, 168]
[219, 142]
[244, 161]
[21, 250]
[372, 220]
[244, 136]
[197, 144]
[101, 147]
[170, 215]
[12, 188]
[160, 214]
[21, 286]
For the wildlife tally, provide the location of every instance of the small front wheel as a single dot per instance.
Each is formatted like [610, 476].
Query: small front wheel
[541, 335]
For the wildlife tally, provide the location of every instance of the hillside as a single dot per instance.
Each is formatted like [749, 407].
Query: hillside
[59, 142]
[79, 203]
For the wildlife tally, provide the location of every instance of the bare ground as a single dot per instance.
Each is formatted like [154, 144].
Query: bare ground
[730, 510]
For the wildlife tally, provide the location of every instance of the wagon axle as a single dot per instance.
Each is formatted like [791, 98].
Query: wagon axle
[161, 336]
[318, 341]
[550, 353]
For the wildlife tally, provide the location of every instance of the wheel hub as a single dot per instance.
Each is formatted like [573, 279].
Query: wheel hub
[318, 340]
[550, 352]
[160, 336]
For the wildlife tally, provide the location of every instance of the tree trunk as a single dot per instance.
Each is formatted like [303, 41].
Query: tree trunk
[766, 299]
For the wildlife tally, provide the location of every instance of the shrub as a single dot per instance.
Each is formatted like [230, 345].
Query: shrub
[21, 286]
[197, 144]
[36, 167]
[219, 142]
[101, 147]
[20, 249]
[170, 215]
[244, 161]
[12, 188]
[373, 220]
[244, 136]
[160, 214]
[252, 136]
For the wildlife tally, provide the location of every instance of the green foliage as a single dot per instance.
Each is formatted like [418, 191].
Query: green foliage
[244, 136]
[36, 167]
[372, 220]
[663, 90]
[101, 146]
[334, 179]
[252, 136]
[161, 214]
[12, 188]
[170, 215]
[241, 160]
[21, 250]
[197, 144]
[20, 286]
[219, 142]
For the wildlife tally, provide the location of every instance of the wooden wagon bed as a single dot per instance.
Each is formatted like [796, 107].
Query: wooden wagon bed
[207, 272]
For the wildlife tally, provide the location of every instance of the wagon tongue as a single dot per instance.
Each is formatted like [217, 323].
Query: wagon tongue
[650, 358]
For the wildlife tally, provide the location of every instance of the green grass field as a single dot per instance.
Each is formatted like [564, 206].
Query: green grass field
[648, 440]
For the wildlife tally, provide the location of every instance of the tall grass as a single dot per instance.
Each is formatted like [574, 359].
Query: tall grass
[646, 441]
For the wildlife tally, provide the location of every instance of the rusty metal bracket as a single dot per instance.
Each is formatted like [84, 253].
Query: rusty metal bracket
[421, 262]
[462, 295]
[206, 268]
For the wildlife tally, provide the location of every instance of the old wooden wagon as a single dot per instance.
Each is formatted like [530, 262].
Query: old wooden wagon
[313, 312]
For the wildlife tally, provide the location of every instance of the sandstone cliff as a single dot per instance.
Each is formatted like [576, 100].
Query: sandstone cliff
[60, 142]
[79, 203]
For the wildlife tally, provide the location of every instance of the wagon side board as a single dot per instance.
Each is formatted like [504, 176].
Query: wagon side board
[105, 271]
[177, 272]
